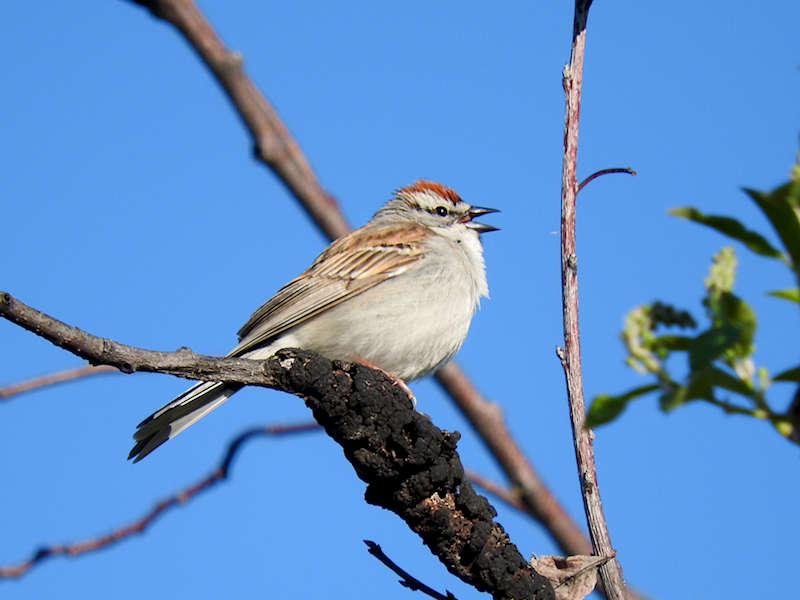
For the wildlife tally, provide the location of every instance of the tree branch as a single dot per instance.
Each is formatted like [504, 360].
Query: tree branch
[138, 526]
[410, 466]
[570, 355]
[407, 580]
[20, 387]
[273, 144]
[594, 176]
[102, 351]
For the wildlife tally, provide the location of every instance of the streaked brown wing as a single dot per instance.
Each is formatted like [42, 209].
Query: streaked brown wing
[349, 266]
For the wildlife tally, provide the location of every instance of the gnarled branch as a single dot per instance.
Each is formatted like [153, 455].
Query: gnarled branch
[410, 466]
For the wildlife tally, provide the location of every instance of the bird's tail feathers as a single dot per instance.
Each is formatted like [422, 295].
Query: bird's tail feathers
[178, 414]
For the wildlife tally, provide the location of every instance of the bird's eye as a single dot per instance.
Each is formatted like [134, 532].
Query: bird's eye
[441, 211]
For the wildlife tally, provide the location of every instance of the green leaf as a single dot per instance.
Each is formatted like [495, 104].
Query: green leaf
[791, 294]
[723, 379]
[671, 400]
[672, 343]
[782, 207]
[730, 227]
[709, 345]
[740, 314]
[605, 408]
[789, 375]
[699, 386]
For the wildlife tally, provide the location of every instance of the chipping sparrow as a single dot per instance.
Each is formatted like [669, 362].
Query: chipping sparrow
[398, 293]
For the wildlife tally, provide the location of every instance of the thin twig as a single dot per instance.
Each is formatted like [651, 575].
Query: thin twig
[610, 573]
[407, 580]
[58, 377]
[593, 176]
[102, 351]
[138, 526]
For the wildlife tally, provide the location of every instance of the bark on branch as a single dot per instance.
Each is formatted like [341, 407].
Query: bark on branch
[611, 579]
[410, 466]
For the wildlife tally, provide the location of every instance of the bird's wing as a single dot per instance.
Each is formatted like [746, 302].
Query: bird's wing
[351, 265]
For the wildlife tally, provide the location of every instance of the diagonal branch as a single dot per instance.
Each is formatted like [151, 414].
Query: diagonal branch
[20, 387]
[219, 474]
[273, 144]
[102, 351]
[407, 580]
[410, 466]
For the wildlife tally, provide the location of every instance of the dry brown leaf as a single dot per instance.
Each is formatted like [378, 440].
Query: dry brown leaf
[573, 577]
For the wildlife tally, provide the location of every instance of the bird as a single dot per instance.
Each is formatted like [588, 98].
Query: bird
[398, 294]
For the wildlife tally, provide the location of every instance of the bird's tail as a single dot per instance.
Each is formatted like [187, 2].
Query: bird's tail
[178, 414]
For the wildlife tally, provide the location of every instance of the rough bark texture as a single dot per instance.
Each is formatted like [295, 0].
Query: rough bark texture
[412, 468]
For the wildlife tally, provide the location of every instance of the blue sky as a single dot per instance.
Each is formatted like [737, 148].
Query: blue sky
[132, 208]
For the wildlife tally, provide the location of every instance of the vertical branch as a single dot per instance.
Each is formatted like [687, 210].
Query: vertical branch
[570, 355]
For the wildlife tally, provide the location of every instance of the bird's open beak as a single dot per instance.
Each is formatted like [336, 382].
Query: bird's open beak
[477, 211]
